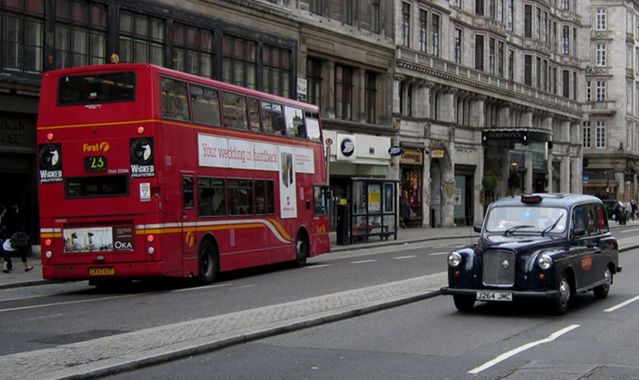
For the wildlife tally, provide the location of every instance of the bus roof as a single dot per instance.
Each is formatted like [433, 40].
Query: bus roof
[179, 75]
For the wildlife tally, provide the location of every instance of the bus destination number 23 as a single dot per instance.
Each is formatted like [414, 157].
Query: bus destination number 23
[95, 163]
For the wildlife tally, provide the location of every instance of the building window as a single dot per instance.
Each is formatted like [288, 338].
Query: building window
[528, 21]
[574, 85]
[479, 52]
[585, 131]
[511, 64]
[565, 5]
[491, 55]
[193, 50]
[80, 33]
[601, 22]
[315, 6]
[314, 80]
[601, 91]
[370, 91]
[601, 55]
[239, 61]
[347, 12]
[565, 40]
[458, 45]
[588, 91]
[600, 134]
[405, 24]
[511, 15]
[375, 16]
[22, 33]
[343, 92]
[554, 80]
[500, 59]
[276, 70]
[423, 30]
[141, 38]
[528, 70]
[565, 83]
[538, 72]
[574, 42]
[538, 24]
[479, 7]
[500, 10]
[435, 39]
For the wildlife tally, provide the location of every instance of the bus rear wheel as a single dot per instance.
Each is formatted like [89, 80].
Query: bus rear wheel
[208, 263]
[301, 249]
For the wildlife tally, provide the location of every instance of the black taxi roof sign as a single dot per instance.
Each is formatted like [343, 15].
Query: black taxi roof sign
[528, 198]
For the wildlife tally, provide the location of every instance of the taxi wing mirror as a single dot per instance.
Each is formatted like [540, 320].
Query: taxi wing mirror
[477, 228]
[578, 232]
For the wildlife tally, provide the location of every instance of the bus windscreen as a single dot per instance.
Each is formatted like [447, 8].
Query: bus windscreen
[96, 88]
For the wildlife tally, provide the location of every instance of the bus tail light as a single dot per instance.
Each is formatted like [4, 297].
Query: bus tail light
[49, 136]
[150, 238]
[47, 242]
[140, 130]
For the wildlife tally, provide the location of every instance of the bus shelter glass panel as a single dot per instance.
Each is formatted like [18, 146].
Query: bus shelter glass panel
[373, 211]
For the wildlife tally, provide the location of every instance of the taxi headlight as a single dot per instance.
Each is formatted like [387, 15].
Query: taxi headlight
[454, 259]
[544, 261]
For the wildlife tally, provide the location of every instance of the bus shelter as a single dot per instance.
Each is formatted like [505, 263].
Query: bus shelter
[373, 208]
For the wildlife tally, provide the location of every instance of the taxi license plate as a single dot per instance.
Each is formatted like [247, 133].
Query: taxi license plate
[494, 296]
[102, 271]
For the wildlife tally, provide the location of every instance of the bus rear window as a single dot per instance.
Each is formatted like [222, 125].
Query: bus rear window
[96, 186]
[96, 88]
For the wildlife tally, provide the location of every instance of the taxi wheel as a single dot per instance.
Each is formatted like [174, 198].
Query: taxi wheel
[208, 263]
[601, 291]
[560, 305]
[464, 304]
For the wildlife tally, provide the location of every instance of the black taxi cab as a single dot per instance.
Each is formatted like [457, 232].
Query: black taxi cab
[547, 246]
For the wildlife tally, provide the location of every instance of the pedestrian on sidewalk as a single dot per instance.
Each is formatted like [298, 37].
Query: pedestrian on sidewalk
[6, 259]
[404, 211]
[14, 228]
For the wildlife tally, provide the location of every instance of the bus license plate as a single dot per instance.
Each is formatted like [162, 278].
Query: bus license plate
[103, 271]
[494, 296]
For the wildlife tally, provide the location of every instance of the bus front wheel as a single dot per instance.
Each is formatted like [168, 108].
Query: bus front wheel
[208, 263]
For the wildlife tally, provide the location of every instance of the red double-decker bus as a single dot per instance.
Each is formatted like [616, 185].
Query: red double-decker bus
[146, 172]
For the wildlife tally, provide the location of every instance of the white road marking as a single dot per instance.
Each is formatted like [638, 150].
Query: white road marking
[318, 266]
[404, 257]
[630, 230]
[243, 286]
[45, 317]
[619, 306]
[363, 261]
[66, 303]
[438, 253]
[520, 349]
[199, 288]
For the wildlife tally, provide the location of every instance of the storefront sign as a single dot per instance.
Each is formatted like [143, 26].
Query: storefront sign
[437, 153]
[412, 156]
[346, 147]
[395, 150]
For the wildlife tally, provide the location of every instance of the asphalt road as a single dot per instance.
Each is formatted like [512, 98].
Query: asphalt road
[46, 316]
[597, 339]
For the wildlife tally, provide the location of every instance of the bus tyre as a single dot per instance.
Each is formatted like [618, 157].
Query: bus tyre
[301, 249]
[208, 263]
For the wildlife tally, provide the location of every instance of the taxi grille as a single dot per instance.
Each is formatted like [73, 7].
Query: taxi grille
[499, 268]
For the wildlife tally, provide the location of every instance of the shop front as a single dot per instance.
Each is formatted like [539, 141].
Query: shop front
[411, 185]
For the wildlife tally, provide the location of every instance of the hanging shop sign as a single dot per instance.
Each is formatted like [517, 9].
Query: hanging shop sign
[412, 156]
[395, 150]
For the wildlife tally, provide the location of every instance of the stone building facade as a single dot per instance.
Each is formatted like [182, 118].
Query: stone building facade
[487, 92]
[610, 137]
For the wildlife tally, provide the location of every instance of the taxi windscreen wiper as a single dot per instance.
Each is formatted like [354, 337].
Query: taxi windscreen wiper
[517, 227]
[551, 227]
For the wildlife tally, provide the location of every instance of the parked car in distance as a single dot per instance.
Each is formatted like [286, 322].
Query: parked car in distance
[543, 246]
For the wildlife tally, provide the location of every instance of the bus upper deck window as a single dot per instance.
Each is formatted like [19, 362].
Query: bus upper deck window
[174, 100]
[273, 119]
[96, 88]
[313, 127]
[234, 111]
[205, 104]
[294, 118]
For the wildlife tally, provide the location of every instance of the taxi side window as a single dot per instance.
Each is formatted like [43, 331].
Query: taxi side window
[601, 219]
[593, 227]
[579, 218]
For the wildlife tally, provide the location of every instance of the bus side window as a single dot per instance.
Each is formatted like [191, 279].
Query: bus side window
[273, 119]
[270, 197]
[240, 196]
[260, 197]
[313, 127]
[187, 191]
[211, 201]
[234, 111]
[294, 118]
[174, 99]
[254, 113]
[206, 105]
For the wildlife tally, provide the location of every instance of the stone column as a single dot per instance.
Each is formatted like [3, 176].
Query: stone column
[397, 85]
[421, 94]
[621, 184]
[564, 175]
[576, 176]
[447, 106]
[426, 191]
[549, 188]
[477, 112]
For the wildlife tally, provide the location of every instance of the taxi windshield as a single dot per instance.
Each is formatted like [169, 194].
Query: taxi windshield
[511, 219]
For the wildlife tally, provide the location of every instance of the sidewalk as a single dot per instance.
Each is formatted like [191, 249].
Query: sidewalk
[19, 278]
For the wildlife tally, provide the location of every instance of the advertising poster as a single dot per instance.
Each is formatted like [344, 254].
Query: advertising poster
[288, 190]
